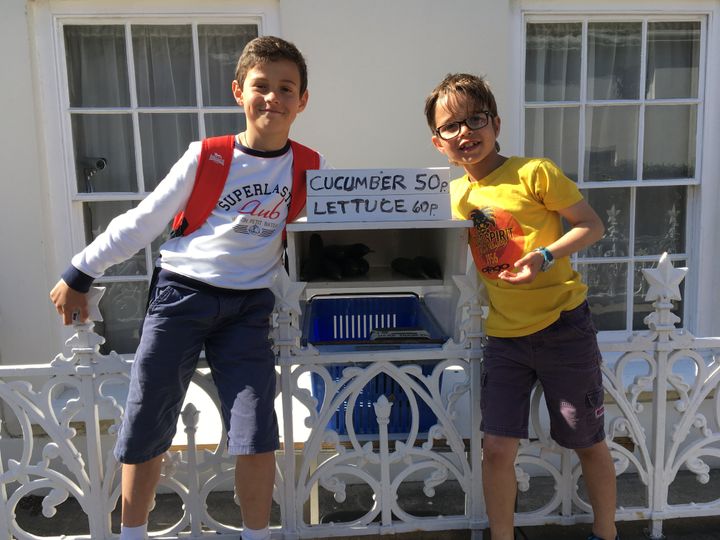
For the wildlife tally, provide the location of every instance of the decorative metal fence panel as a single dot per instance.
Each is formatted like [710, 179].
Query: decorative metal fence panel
[662, 409]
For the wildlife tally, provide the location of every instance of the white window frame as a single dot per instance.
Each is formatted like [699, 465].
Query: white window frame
[48, 17]
[701, 294]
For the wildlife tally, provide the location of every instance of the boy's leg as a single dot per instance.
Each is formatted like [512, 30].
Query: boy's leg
[254, 480]
[500, 484]
[507, 381]
[571, 376]
[599, 474]
[240, 356]
[138, 489]
[173, 333]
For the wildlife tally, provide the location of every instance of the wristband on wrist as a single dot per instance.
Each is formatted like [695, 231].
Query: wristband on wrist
[548, 258]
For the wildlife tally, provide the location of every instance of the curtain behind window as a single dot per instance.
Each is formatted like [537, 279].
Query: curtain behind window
[178, 81]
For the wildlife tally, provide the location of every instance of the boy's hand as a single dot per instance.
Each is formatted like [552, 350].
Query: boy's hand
[527, 268]
[72, 305]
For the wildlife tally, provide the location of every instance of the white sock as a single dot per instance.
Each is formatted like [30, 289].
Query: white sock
[133, 533]
[255, 534]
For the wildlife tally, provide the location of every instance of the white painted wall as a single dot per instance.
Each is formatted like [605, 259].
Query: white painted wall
[27, 321]
[372, 63]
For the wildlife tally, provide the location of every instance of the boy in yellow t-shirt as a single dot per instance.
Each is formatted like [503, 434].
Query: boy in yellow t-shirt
[539, 326]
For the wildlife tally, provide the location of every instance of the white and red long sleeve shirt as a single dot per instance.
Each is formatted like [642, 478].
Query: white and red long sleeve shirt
[238, 247]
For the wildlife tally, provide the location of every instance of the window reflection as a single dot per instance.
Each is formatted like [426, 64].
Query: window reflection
[164, 69]
[660, 220]
[611, 139]
[552, 133]
[164, 138]
[673, 59]
[607, 293]
[552, 62]
[669, 156]
[105, 136]
[614, 60]
[123, 308]
[613, 207]
[96, 65]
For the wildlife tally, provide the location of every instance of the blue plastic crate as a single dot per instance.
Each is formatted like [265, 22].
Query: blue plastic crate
[356, 323]
[363, 415]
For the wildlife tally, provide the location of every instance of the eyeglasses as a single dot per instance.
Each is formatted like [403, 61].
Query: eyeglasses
[452, 129]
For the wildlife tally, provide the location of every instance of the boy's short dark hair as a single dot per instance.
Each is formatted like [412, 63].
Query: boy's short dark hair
[473, 87]
[264, 49]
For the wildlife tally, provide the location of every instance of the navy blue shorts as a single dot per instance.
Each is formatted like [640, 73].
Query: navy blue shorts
[565, 358]
[184, 316]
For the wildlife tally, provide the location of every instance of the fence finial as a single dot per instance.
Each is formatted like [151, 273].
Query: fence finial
[664, 280]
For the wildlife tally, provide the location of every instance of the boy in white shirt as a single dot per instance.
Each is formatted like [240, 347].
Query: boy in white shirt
[212, 292]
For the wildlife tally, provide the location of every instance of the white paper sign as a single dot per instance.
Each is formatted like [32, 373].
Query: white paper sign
[336, 195]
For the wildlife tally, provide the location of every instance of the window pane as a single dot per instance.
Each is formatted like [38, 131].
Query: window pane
[164, 138]
[665, 155]
[613, 207]
[660, 220]
[611, 136]
[641, 307]
[97, 216]
[107, 136]
[224, 123]
[673, 58]
[123, 308]
[220, 47]
[97, 66]
[164, 67]
[614, 60]
[553, 133]
[607, 294]
[552, 62]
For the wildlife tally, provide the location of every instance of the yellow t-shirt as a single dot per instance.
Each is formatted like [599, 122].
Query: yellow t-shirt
[514, 210]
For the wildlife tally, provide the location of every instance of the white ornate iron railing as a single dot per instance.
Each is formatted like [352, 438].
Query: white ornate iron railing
[662, 419]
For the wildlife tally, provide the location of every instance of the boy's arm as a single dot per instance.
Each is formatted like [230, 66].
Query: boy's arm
[130, 232]
[124, 236]
[586, 228]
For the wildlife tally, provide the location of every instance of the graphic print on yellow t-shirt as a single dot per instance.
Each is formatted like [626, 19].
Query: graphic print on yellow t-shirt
[496, 240]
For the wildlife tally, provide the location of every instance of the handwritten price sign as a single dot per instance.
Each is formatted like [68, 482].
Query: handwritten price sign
[378, 195]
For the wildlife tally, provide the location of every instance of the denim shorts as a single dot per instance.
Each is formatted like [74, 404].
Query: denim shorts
[565, 358]
[183, 317]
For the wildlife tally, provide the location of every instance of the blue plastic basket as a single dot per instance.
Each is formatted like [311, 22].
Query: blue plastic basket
[363, 416]
[353, 323]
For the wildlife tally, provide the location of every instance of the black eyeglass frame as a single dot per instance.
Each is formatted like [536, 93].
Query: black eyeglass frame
[488, 116]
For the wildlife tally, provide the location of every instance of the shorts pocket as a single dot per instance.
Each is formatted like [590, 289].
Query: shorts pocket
[579, 321]
[594, 401]
[162, 297]
[595, 398]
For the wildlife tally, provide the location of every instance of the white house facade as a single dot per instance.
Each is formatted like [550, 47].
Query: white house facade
[100, 97]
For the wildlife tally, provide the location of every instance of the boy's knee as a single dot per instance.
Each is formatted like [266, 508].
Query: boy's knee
[499, 451]
[594, 452]
[255, 459]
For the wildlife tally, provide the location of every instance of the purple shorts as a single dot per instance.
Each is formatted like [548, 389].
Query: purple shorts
[183, 317]
[565, 358]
